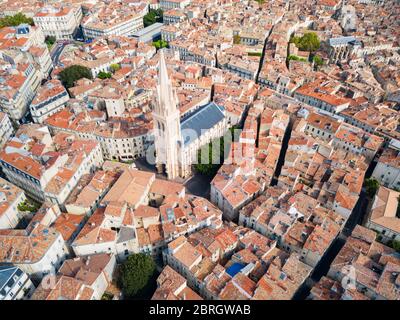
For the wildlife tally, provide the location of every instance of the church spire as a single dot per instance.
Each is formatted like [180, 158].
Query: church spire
[166, 122]
[162, 70]
[166, 95]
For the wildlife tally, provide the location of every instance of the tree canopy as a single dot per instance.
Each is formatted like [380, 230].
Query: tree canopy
[318, 61]
[152, 17]
[104, 75]
[115, 67]
[308, 42]
[50, 40]
[394, 244]
[15, 20]
[296, 58]
[73, 73]
[137, 275]
[209, 168]
[371, 186]
[160, 44]
[236, 39]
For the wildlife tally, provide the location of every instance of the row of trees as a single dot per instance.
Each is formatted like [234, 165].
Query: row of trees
[15, 20]
[210, 168]
[296, 58]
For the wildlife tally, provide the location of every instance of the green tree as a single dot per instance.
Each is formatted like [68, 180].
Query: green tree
[295, 40]
[371, 186]
[308, 42]
[15, 20]
[160, 44]
[394, 244]
[152, 17]
[137, 275]
[254, 54]
[73, 73]
[296, 58]
[104, 75]
[236, 39]
[209, 168]
[318, 61]
[27, 206]
[115, 67]
[50, 40]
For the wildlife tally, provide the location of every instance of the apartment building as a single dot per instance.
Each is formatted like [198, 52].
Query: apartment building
[383, 217]
[28, 40]
[367, 266]
[46, 168]
[87, 198]
[50, 98]
[14, 284]
[387, 170]
[79, 278]
[119, 140]
[173, 16]
[84, 156]
[172, 286]
[174, 4]
[114, 20]
[21, 160]
[37, 251]
[107, 231]
[61, 22]
[6, 128]
[10, 197]
[18, 86]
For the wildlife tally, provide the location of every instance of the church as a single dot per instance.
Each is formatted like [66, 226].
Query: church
[177, 139]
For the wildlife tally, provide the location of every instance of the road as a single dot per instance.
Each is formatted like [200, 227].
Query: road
[57, 50]
[199, 185]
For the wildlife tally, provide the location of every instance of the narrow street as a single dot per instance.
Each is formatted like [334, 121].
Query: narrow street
[199, 185]
[56, 52]
[282, 154]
